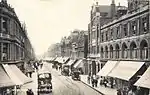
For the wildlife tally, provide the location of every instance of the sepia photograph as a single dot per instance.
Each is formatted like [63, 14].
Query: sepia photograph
[74, 47]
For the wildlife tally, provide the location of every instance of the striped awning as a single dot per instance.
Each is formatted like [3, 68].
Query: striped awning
[78, 64]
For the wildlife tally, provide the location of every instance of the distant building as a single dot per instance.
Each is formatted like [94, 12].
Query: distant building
[74, 46]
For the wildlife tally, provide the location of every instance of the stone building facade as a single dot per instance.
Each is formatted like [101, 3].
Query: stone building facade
[15, 46]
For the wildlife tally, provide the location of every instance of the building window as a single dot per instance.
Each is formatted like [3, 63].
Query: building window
[133, 50]
[133, 27]
[144, 50]
[102, 53]
[111, 51]
[117, 51]
[106, 52]
[94, 49]
[97, 49]
[4, 25]
[111, 34]
[124, 51]
[0, 52]
[5, 52]
[106, 36]
[102, 37]
[125, 29]
[145, 24]
[118, 32]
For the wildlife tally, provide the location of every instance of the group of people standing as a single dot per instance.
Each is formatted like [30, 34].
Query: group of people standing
[93, 79]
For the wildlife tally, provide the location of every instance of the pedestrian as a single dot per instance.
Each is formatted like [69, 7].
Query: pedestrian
[30, 74]
[119, 92]
[105, 82]
[92, 81]
[29, 92]
[88, 79]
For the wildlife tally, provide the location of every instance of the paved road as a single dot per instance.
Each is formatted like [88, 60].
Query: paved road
[63, 85]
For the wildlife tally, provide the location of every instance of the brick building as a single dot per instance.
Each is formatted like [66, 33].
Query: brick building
[124, 37]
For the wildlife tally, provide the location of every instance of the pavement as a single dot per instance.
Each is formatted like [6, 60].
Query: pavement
[102, 89]
[32, 85]
[64, 85]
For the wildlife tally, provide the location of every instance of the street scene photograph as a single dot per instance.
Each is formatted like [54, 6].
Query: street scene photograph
[74, 47]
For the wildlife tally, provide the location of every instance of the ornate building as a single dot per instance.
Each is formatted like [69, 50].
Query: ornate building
[15, 46]
[119, 33]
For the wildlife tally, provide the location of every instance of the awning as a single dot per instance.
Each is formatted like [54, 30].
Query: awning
[70, 62]
[16, 75]
[125, 69]
[78, 64]
[64, 59]
[5, 80]
[59, 59]
[144, 81]
[107, 68]
[12, 75]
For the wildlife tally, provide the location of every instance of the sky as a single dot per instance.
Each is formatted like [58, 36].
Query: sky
[47, 21]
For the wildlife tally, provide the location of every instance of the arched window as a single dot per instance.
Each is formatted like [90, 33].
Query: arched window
[117, 51]
[106, 52]
[111, 51]
[124, 51]
[102, 52]
[133, 50]
[144, 50]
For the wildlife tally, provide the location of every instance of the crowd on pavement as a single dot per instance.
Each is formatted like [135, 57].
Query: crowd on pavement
[35, 66]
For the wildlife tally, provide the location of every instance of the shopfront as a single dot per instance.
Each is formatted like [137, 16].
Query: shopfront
[6, 84]
[144, 82]
[126, 73]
